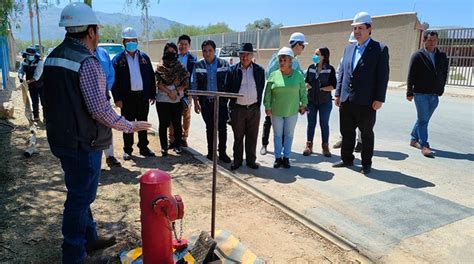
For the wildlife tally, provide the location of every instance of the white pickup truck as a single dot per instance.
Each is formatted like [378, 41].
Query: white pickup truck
[229, 53]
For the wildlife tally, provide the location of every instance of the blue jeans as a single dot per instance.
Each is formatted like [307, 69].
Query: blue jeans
[425, 106]
[283, 126]
[324, 114]
[81, 176]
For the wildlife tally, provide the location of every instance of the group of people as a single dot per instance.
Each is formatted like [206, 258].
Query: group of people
[78, 78]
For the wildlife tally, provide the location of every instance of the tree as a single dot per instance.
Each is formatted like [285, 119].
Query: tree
[111, 32]
[217, 28]
[10, 10]
[262, 24]
[177, 30]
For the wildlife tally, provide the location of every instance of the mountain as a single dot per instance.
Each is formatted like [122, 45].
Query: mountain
[49, 19]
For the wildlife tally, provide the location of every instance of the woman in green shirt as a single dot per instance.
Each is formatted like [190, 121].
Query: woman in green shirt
[285, 96]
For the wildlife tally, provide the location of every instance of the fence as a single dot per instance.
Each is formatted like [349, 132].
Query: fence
[459, 47]
[261, 39]
[4, 61]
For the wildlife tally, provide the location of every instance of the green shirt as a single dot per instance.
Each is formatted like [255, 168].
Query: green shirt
[284, 95]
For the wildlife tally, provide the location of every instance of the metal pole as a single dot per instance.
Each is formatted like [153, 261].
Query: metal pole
[214, 165]
[146, 30]
[39, 31]
[31, 23]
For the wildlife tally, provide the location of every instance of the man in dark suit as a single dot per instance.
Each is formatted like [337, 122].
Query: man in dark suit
[360, 91]
[246, 78]
[426, 79]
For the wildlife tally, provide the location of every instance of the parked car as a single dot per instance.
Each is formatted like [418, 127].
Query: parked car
[112, 48]
[229, 53]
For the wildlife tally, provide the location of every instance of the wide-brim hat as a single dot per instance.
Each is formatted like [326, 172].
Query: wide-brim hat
[246, 48]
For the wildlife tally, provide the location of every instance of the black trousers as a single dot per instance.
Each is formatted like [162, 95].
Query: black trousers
[135, 108]
[354, 116]
[36, 94]
[267, 125]
[169, 113]
[245, 122]
[207, 110]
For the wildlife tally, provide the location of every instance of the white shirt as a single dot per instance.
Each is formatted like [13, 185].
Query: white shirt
[136, 82]
[247, 87]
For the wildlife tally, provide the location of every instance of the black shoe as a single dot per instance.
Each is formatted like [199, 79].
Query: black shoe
[358, 147]
[366, 169]
[278, 162]
[127, 156]
[224, 158]
[342, 164]
[147, 152]
[112, 162]
[178, 150]
[164, 153]
[286, 163]
[235, 166]
[100, 243]
[209, 157]
[253, 165]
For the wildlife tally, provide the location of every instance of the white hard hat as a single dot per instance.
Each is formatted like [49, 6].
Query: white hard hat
[352, 39]
[75, 17]
[286, 51]
[362, 18]
[129, 33]
[297, 37]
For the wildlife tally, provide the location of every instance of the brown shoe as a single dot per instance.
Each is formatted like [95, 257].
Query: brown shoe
[326, 151]
[308, 149]
[100, 243]
[427, 152]
[415, 144]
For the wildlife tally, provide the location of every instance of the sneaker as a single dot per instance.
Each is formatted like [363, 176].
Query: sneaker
[338, 144]
[112, 162]
[415, 144]
[127, 156]
[263, 150]
[178, 150]
[147, 152]
[224, 158]
[278, 162]
[426, 151]
[286, 163]
[358, 147]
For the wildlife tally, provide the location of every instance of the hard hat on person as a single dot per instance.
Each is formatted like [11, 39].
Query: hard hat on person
[362, 18]
[352, 39]
[129, 33]
[297, 37]
[76, 17]
[286, 51]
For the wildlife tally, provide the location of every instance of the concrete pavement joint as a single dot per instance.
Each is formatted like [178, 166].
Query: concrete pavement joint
[325, 233]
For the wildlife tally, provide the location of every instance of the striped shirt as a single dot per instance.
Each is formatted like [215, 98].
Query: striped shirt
[93, 86]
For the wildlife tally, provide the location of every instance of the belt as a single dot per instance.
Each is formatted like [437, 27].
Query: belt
[247, 106]
[137, 92]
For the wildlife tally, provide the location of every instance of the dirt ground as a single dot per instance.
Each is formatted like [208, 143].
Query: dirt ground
[32, 194]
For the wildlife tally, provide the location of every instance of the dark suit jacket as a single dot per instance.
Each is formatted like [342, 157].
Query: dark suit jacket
[234, 80]
[425, 78]
[368, 81]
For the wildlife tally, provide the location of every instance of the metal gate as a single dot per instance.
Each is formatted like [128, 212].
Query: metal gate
[459, 46]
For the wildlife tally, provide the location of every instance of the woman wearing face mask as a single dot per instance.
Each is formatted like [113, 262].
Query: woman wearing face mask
[172, 79]
[320, 81]
[285, 96]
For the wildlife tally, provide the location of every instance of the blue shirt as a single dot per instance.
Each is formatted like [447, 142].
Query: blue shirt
[183, 59]
[211, 72]
[103, 56]
[359, 51]
[432, 57]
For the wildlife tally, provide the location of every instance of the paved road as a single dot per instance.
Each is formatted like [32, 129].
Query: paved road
[410, 207]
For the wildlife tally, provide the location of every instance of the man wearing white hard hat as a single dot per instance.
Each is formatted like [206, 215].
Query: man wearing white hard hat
[78, 122]
[360, 91]
[297, 43]
[134, 89]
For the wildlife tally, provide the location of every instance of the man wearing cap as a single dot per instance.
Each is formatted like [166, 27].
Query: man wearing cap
[78, 122]
[134, 89]
[361, 91]
[31, 69]
[210, 74]
[245, 78]
[297, 43]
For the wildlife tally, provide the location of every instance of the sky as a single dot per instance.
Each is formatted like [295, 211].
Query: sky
[238, 13]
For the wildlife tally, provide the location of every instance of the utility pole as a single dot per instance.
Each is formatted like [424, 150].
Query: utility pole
[146, 30]
[39, 31]
[31, 23]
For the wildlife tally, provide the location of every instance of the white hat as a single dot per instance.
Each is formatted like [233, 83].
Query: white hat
[286, 51]
[362, 18]
[297, 37]
[129, 33]
[75, 17]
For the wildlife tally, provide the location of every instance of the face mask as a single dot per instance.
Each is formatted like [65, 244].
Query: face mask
[316, 59]
[131, 46]
[170, 56]
[31, 57]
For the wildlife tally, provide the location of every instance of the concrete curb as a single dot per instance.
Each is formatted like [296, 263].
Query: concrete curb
[327, 234]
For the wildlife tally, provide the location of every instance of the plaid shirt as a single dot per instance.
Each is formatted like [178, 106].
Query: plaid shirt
[93, 86]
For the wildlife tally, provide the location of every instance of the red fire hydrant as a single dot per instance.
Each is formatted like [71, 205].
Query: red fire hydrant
[158, 210]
